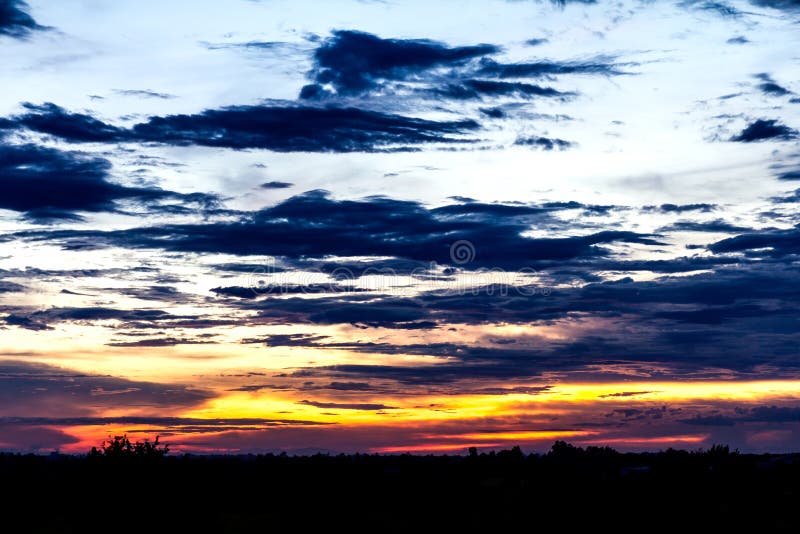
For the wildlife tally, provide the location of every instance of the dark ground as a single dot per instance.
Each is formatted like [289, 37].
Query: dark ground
[565, 490]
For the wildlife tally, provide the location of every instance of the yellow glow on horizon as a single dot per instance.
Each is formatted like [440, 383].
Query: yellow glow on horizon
[675, 391]
[286, 404]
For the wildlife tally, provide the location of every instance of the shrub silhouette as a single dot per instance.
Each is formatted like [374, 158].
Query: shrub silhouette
[121, 447]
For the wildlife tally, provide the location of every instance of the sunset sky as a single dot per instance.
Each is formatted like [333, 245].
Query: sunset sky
[400, 226]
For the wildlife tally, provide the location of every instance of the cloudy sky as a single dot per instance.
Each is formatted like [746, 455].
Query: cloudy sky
[400, 225]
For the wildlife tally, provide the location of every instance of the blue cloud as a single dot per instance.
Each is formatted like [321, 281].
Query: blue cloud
[355, 62]
[764, 129]
[282, 128]
[48, 184]
[314, 225]
[15, 20]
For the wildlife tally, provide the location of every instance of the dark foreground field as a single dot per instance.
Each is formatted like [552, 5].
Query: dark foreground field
[566, 489]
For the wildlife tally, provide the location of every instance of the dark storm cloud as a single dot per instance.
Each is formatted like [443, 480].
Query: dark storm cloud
[283, 289]
[25, 322]
[315, 225]
[249, 268]
[389, 312]
[742, 320]
[159, 342]
[276, 185]
[135, 318]
[15, 20]
[563, 3]
[298, 128]
[536, 41]
[476, 89]
[763, 129]
[356, 268]
[471, 208]
[11, 287]
[700, 298]
[27, 438]
[791, 198]
[346, 405]
[154, 292]
[770, 87]
[169, 423]
[756, 414]
[29, 389]
[626, 394]
[54, 120]
[428, 375]
[100, 314]
[719, 8]
[769, 242]
[355, 62]
[788, 5]
[248, 45]
[723, 314]
[543, 143]
[717, 225]
[279, 127]
[727, 10]
[790, 175]
[144, 93]
[347, 64]
[600, 67]
[49, 184]
[738, 40]
[679, 208]
[286, 340]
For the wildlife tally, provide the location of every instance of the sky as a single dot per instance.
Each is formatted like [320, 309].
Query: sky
[400, 226]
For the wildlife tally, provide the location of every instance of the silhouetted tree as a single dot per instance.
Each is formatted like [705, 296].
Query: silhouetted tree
[515, 453]
[121, 447]
[562, 449]
[720, 451]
